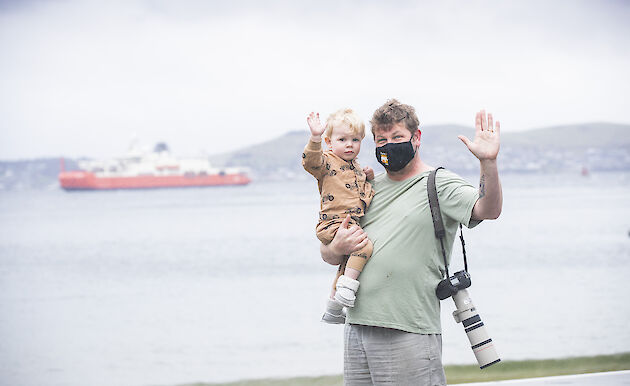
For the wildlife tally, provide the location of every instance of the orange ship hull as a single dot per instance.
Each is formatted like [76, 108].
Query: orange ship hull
[81, 180]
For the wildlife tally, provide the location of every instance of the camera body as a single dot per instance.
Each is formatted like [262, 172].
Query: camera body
[449, 287]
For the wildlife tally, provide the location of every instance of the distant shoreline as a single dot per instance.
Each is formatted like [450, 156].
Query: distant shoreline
[471, 373]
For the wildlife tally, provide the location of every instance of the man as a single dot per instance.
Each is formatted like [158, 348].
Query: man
[393, 334]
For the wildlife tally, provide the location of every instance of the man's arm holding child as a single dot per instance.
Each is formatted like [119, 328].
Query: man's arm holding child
[485, 147]
[346, 241]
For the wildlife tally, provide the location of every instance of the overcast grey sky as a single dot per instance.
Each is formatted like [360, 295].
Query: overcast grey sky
[80, 78]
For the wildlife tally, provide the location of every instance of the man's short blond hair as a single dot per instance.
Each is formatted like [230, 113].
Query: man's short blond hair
[347, 116]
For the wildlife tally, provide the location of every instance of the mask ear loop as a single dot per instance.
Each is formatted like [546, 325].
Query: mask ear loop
[415, 153]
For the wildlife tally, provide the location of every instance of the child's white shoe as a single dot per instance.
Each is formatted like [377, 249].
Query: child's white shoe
[334, 314]
[346, 290]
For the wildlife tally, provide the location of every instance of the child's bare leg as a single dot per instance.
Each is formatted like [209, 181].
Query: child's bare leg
[352, 273]
[347, 284]
[340, 271]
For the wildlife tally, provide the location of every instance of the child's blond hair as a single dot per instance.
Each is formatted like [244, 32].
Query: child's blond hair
[347, 116]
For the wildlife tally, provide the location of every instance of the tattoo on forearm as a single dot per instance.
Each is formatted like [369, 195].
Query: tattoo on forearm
[482, 186]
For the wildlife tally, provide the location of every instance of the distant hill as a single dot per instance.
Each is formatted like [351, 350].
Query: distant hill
[597, 146]
[278, 153]
[283, 151]
[596, 135]
[569, 148]
[31, 174]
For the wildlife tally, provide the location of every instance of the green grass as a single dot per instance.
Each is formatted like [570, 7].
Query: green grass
[472, 373]
[538, 368]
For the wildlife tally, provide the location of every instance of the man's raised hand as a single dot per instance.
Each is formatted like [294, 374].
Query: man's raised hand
[317, 129]
[485, 145]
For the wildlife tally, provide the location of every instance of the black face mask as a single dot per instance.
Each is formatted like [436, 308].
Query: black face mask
[395, 156]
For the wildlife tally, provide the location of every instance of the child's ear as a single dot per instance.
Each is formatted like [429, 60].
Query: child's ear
[327, 140]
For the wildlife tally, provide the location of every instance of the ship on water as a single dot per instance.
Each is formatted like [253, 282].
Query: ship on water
[148, 170]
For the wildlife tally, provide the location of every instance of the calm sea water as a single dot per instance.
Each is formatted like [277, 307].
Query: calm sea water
[167, 287]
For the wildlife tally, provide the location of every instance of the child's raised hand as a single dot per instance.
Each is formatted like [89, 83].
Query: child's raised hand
[369, 172]
[317, 129]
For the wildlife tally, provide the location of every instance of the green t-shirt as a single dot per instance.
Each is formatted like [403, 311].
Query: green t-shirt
[398, 283]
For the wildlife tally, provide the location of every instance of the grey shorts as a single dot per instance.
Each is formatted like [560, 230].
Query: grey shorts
[384, 356]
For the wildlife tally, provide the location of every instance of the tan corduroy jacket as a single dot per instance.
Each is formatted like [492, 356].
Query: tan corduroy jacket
[342, 184]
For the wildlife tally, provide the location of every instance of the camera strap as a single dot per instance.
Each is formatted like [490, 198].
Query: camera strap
[438, 224]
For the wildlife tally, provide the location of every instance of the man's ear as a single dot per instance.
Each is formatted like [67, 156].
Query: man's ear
[417, 137]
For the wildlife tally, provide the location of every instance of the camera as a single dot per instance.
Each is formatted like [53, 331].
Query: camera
[466, 314]
[449, 287]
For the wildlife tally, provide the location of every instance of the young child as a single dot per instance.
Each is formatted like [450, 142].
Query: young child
[344, 191]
